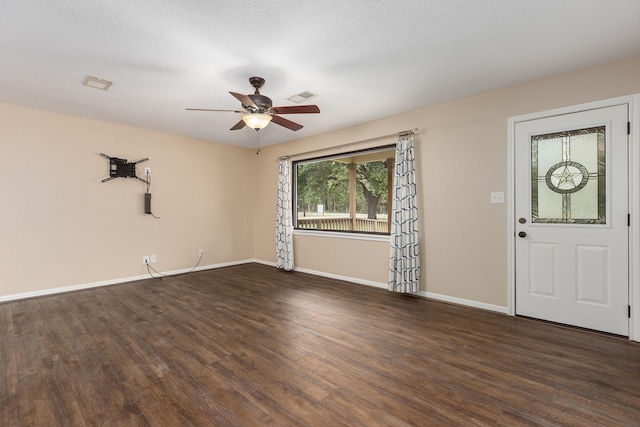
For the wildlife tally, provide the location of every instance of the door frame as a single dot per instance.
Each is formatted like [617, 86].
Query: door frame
[633, 103]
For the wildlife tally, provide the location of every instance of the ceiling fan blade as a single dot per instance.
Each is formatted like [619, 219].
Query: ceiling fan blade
[244, 99]
[286, 123]
[207, 109]
[238, 125]
[296, 109]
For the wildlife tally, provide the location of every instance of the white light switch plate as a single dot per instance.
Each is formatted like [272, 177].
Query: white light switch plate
[497, 197]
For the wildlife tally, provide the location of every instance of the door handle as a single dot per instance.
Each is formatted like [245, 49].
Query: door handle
[522, 234]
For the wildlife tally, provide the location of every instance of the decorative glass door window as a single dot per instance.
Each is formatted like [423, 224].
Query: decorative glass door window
[568, 177]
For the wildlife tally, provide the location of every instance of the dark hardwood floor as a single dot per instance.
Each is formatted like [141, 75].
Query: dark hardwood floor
[253, 346]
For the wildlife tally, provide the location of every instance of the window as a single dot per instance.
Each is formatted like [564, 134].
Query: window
[348, 192]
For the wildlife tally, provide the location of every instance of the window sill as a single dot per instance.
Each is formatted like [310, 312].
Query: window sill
[340, 235]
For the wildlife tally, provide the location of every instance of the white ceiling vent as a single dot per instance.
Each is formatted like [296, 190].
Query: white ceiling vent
[97, 83]
[302, 96]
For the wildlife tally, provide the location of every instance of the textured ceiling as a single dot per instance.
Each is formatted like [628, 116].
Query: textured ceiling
[365, 59]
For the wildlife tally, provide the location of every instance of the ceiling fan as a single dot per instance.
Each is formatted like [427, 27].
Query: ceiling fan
[258, 110]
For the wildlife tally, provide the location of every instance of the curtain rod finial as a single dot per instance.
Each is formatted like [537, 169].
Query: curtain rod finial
[409, 132]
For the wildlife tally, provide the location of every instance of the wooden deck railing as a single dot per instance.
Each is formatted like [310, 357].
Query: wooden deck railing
[343, 224]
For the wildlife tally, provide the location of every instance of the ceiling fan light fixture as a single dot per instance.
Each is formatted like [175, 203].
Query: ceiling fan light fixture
[256, 121]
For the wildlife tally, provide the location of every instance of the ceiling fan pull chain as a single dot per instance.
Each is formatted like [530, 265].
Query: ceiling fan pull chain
[258, 152]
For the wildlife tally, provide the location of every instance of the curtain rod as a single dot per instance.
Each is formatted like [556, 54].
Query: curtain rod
[399, 134]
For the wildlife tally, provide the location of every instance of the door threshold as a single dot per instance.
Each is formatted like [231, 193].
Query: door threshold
[576, 328]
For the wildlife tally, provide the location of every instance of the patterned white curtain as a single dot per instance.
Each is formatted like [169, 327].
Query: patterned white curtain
[404, 261]
[284, 220]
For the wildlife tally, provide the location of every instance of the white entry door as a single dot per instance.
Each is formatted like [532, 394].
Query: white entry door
[571, 213]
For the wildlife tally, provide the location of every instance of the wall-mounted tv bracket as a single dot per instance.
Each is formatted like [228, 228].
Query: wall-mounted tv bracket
[121, 168]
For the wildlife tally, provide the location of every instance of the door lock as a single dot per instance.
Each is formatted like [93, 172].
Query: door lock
[522, 234]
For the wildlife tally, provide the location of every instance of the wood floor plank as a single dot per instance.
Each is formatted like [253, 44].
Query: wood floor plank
[250, 345]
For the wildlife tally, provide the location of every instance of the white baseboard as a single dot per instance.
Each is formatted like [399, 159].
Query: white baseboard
[329, 275]
[269, 263]
[52, 291]
[345, 278]
[431, 295]
[445, 298]
[465, 302]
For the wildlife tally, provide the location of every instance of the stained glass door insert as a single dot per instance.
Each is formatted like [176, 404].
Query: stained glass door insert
[568, 182]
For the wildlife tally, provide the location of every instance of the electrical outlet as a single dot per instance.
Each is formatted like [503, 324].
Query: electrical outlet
[145, 260]
[153, 259]
[147, 171]
[497, 197]
[201, 252]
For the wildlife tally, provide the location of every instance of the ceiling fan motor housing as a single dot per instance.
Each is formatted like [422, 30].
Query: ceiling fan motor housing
[262, 102]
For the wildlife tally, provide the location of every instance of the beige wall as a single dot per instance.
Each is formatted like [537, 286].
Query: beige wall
[461, 157]
[62, 227]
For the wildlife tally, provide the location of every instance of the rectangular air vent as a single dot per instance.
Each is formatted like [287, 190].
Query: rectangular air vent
[97, 83]
[302, 96]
